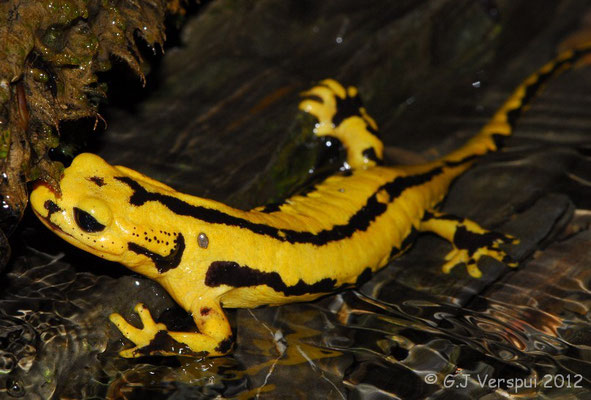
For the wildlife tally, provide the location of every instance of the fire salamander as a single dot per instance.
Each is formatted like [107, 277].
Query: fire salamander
[208, 255]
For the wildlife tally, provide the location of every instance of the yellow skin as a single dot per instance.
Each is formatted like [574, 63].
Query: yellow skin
[208, 255]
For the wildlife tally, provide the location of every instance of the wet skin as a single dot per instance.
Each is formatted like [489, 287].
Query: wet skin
[208, 255]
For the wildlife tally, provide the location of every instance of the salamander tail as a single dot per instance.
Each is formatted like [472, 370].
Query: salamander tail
[503, 121]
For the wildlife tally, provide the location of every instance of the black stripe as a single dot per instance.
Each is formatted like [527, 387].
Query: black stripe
[309, 187]
[531, 90]
[162, 263]
[272, 207]
[237, 276]
[462, 161]
[360, 221]
[406, 243]
[446, 217]
[409, 239]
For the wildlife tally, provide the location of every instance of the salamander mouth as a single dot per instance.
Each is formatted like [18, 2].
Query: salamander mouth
[72, 239]
[47, 221]
[49, 203]
[45, 202]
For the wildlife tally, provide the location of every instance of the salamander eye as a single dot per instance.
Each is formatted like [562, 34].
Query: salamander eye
[92, 214]
[87, 222]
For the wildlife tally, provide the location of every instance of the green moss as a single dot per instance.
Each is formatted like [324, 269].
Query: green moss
[39, 75]
[4, 91]
[65, 11]
[55, 37]
[48, 64]
[4, 142]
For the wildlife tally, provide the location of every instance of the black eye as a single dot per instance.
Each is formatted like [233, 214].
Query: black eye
[86, 222]
[15, 388]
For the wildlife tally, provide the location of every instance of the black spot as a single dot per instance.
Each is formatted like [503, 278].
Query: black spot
[205, 311]
[97, 180]
[364, 276]
[467, 240]
[162, 263]
[347, 107]
[225, 345]
[51, 208]
[350, 106]
[164, 342]
[234, 275]
[370, 154]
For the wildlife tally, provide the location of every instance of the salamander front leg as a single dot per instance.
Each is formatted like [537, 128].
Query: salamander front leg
[340, 114]
[470, 242]
[214, 337]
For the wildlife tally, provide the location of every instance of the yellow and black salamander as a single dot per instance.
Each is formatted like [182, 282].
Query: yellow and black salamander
[208, 255]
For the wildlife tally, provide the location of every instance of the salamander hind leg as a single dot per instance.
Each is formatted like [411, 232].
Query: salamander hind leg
[470, 242]
[214, 337]
[340, 114]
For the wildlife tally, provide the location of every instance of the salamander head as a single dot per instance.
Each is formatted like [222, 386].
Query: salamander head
[95, 213]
